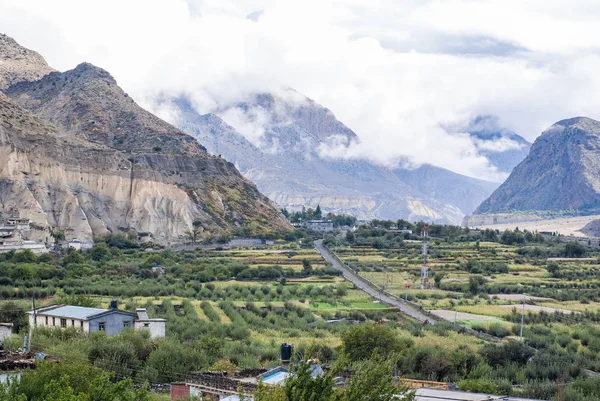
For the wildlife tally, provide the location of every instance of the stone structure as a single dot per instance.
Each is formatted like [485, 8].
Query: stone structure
[217, 385]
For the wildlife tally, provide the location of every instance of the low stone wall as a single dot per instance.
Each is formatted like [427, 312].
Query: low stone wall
[217, 382]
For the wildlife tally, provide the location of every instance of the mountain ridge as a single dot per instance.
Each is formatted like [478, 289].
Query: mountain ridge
[298, 174]
[109, 166]
[559, 173]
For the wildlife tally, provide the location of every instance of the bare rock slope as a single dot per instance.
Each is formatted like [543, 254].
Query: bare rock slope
[561, 173]
[19, 64]
[80, 156]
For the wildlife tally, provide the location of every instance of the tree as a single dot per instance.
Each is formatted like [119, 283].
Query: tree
[475, 283]
[360, 341]
[301, 386]
[372, 380]
[25, 256]
[68, 381]
[306, 266]
[318, 212]
[100, 252]
[15, 313]
[573, 249]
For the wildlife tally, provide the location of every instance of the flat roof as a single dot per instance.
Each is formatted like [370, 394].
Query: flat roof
[75, 312]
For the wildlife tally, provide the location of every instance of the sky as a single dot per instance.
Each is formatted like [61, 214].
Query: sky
[398, 73]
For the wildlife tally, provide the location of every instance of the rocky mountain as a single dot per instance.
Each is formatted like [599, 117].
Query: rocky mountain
[592, 228]
[291, 159]
[559, 173]
[19, 64]
[503, 148]
[80, 156]
[464, 192]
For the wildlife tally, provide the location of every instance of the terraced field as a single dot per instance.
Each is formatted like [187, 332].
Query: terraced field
[487, 278]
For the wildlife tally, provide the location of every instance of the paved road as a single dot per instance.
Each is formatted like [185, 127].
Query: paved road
[350, 276]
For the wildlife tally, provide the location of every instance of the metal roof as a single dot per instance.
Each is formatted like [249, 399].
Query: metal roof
[426, 394]
[74, 312]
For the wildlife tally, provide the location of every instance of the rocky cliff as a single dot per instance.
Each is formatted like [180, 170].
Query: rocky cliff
[561, 172]
[18, 64]
[80, 156]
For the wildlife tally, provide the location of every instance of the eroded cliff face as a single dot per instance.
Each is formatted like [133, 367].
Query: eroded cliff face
[85, 160]
[83, 189]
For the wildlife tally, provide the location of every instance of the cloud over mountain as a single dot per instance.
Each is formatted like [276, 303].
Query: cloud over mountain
[396, 74]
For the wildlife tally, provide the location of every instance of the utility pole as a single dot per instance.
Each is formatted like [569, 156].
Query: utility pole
[522, 320]
[34, 314]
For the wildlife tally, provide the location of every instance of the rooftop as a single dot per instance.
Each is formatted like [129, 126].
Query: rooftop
[75, 312]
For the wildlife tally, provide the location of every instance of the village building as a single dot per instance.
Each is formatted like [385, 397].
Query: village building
[13, 236]
[319, 225]
[5, 331]
[111, 321]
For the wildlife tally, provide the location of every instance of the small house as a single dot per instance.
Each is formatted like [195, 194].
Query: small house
[5, 331]
[111, 321]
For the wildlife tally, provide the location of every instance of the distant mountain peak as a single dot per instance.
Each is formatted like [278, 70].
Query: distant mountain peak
[578, 122]
[560, 172]
[18, 63]
[503, 148]
[284, 119]
[87, 101]
[89, 70]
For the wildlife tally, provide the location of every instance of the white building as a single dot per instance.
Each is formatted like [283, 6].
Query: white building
[5, 331]
[319, 225]
[12, 238]
[111, 321]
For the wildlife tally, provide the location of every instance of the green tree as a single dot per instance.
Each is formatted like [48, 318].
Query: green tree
[100, 252]
[360, 341]
[372, 380]
[15, 313]
[318, 212]
[573, 249]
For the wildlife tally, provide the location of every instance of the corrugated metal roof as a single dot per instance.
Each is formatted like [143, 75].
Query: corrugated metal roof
[426, 394]
[75, 312]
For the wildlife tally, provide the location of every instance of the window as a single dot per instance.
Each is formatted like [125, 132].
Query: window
[53, 321]
[73, 322]
[102, 326]
[146, 324]
[126, 323]
[63, 323]
[46, 320]
[81, 324]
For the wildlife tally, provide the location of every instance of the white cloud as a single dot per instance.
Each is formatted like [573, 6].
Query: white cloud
[394, 72]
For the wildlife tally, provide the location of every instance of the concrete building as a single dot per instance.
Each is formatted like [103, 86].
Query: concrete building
[111, 321]
[13, 237]
[5, 331]
[319, 225]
